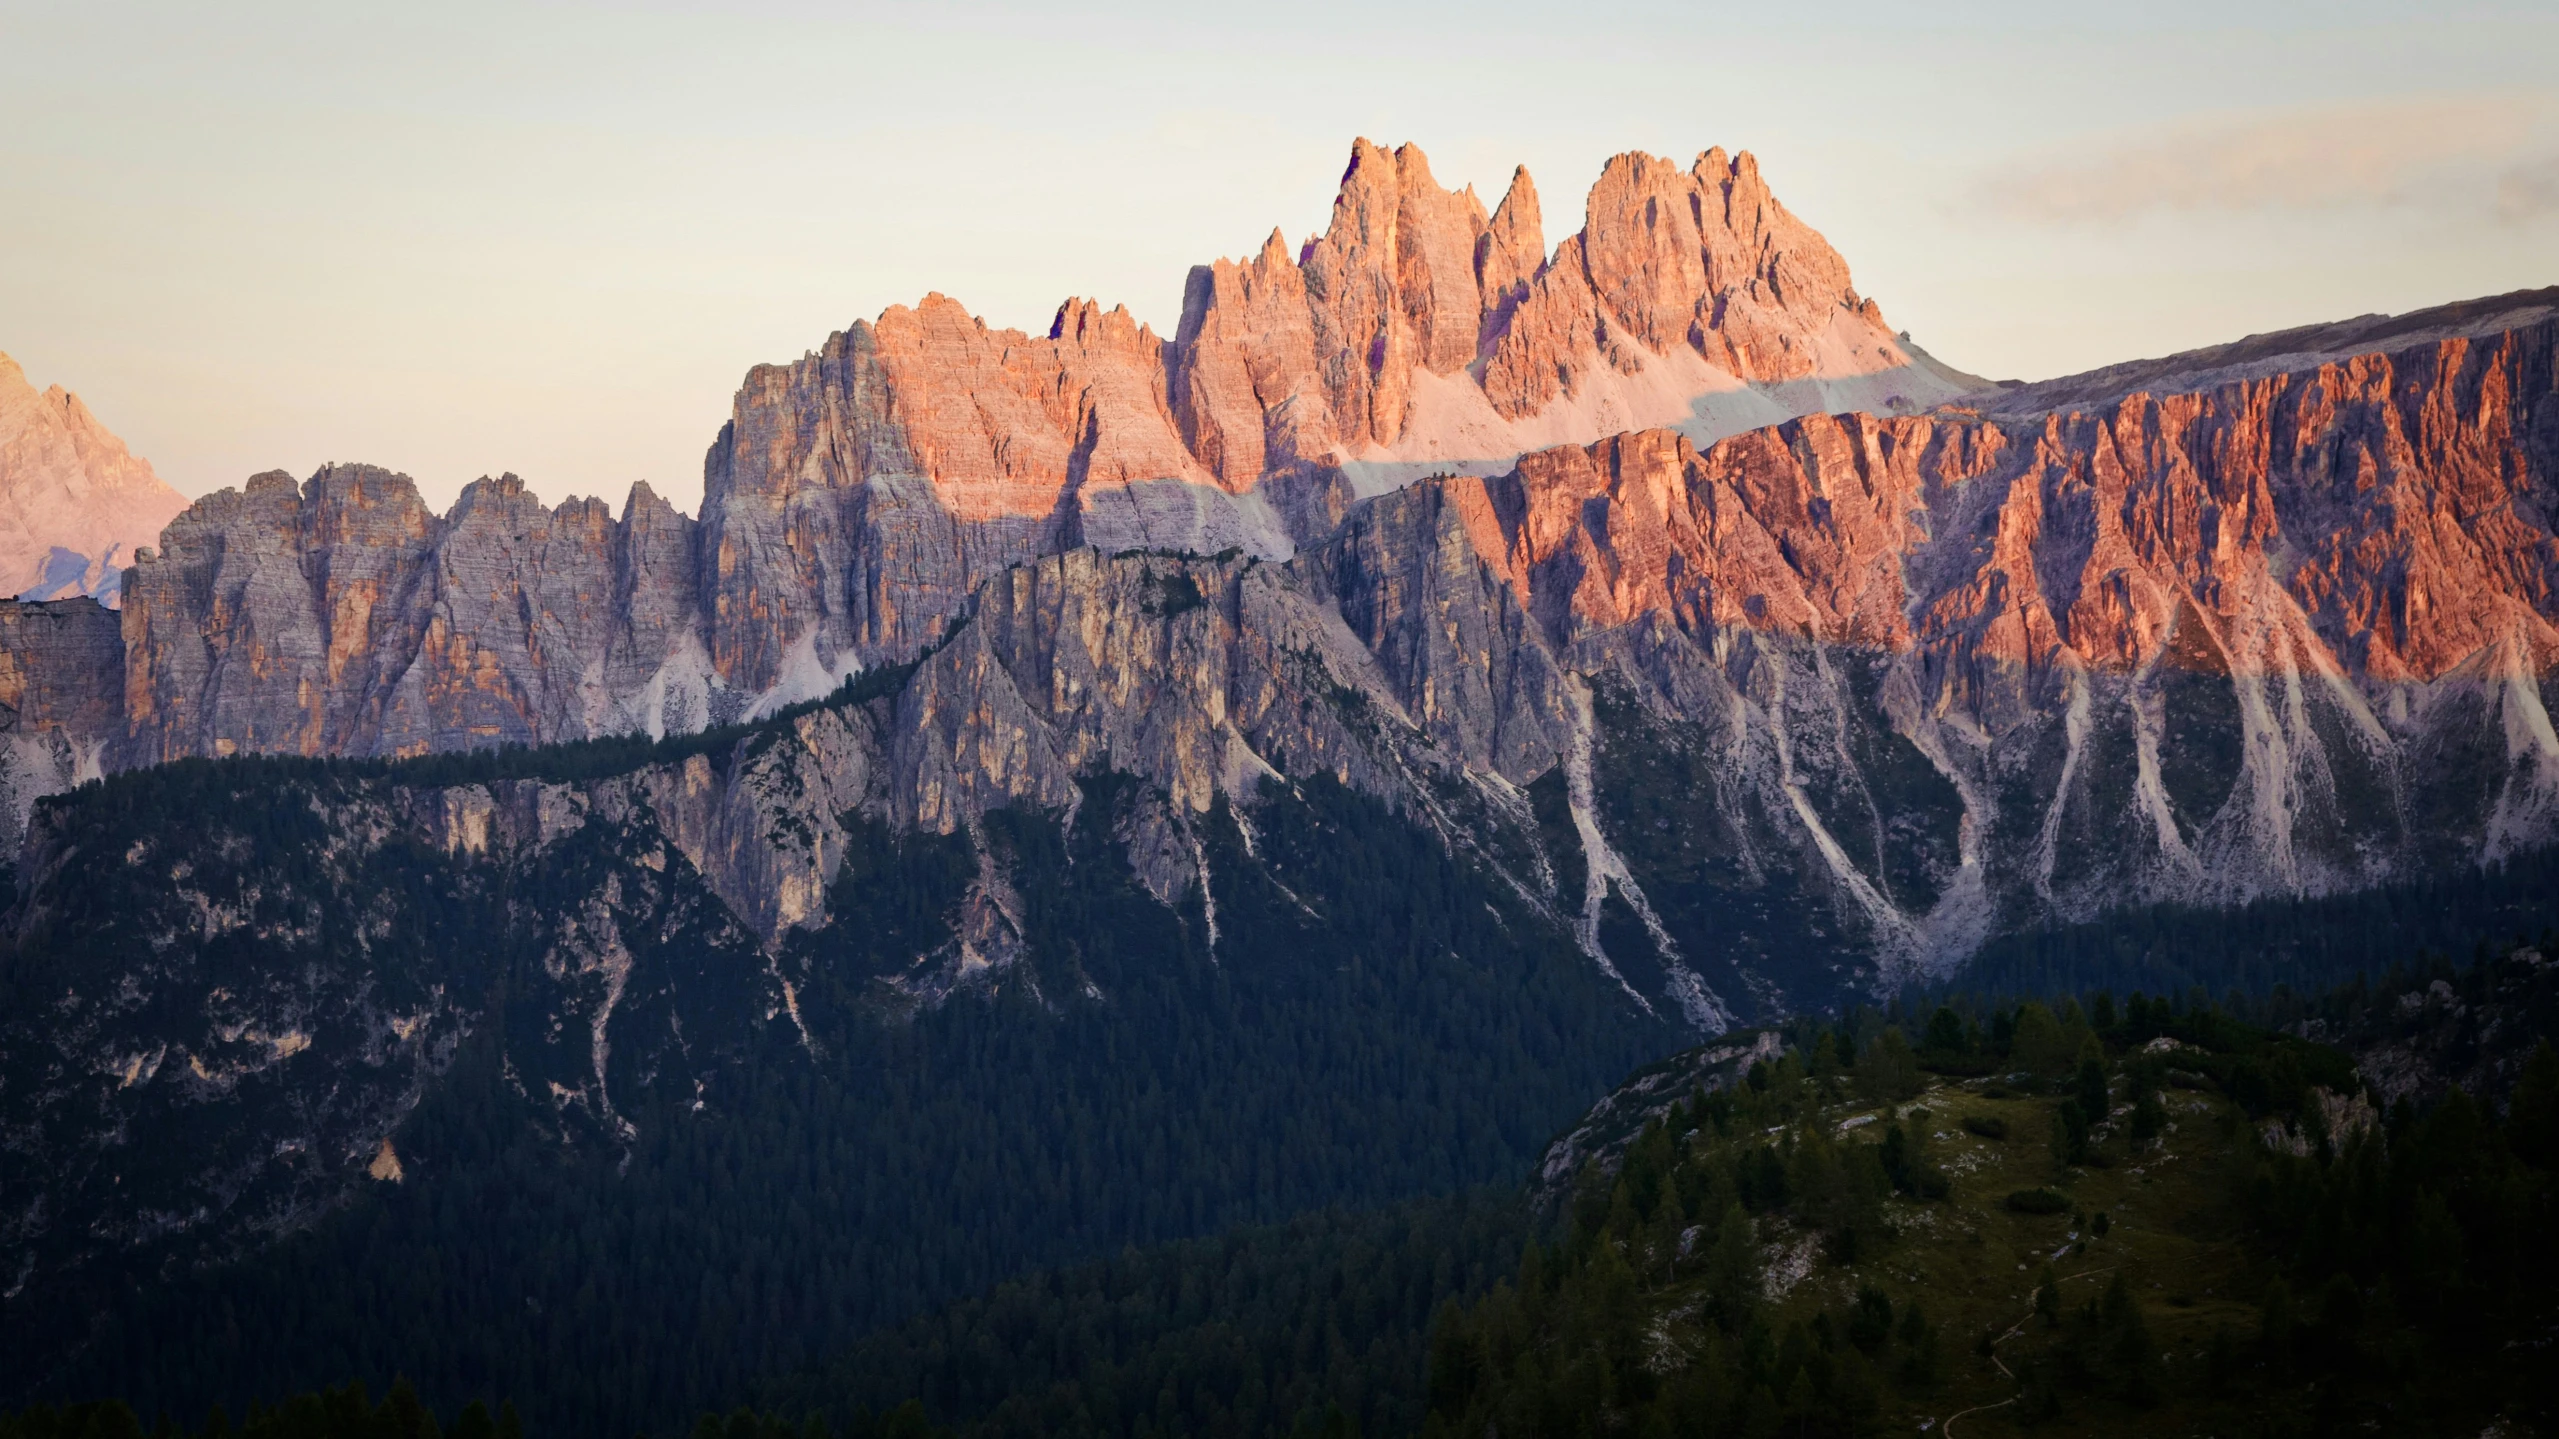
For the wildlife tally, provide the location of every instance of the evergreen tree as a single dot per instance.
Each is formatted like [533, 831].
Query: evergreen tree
[2040, 1046]
[2532, 1125]
[2090, 1088]
[2070, 1135]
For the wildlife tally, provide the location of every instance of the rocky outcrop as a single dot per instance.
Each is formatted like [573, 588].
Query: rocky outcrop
[1647, 1097]
[75, 505]
[2423, 1033]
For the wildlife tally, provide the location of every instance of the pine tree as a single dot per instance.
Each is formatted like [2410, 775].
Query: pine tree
[2090, 1089]
[1922, 1361]
[2038, 1045]
[2070, 1134]
[2532, 1120]
[2149, 1117]
[2135, 1356]
[1946, 1033]
[1886, 1068]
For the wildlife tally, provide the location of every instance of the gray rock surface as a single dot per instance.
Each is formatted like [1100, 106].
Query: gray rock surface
[61, 698]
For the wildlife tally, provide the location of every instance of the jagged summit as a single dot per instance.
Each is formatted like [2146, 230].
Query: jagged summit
[2204, 630]
[74, 502]
[1415, 332]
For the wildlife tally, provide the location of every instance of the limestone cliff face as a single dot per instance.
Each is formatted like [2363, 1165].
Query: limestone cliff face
[75, 504]
[1702, 261]
[343, 617]
[2280, 617]
[61, 698]
[1758, 727]
[1954, 673]
[2289, 631]
[2191, 645]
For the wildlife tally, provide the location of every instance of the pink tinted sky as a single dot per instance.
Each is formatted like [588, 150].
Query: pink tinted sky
[551, 237]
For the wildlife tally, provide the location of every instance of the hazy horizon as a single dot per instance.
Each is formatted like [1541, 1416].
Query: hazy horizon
[552, 239]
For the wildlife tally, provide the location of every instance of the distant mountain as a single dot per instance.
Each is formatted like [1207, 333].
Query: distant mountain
[75, 504]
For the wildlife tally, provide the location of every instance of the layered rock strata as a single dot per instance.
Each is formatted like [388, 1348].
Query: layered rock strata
[2290, 633]
[856, 494]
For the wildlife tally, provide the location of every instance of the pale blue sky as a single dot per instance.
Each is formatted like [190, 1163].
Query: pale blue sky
[552, 237]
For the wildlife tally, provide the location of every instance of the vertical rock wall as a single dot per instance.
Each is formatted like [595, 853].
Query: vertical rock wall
[61, 700]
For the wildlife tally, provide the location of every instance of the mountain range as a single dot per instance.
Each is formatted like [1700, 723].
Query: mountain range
[1439, 658]
[2272, 618]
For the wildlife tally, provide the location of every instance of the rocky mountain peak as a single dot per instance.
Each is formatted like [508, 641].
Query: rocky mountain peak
[1510, 253]
[75, 504]
[1706, 259]
[355, 505]
[1414, 332]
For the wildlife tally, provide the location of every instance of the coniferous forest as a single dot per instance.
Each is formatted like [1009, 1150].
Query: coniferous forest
[2095, 1216]
[1267, 1170]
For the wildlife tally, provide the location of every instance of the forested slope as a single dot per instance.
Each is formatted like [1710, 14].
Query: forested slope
[2130, 1217]
[617, 1215]
[2138, 1219]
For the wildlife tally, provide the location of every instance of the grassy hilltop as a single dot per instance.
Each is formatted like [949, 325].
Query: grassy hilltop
[2152, 1223]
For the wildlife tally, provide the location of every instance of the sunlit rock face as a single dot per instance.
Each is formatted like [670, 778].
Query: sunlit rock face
[1427, 508]
[859, 495]
[2288, 633]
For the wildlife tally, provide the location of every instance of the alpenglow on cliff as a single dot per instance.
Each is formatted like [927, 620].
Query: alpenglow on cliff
[1933, 658]
[857, 497]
